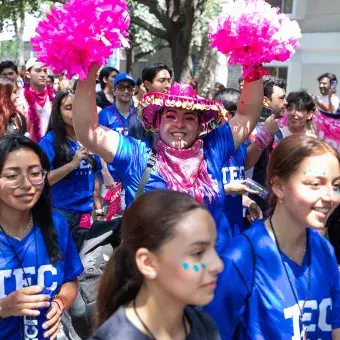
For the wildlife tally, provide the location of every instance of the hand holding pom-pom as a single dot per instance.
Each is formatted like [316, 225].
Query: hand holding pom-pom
[80, 33]
[253, 33]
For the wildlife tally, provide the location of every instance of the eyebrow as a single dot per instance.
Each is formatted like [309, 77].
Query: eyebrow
[200, 243]
[18, 168]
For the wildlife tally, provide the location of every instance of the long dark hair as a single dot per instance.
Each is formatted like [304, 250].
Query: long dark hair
[287, 157]
[56, 124]
[7, 108]
[42, 211]
[147, 223]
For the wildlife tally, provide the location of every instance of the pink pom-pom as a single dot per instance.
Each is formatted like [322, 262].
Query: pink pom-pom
[253, 33]
[80, 33]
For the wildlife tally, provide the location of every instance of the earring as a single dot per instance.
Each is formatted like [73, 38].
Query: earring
[280, 200]
[151, 275]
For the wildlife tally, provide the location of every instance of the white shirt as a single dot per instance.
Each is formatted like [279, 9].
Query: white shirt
[335, 100]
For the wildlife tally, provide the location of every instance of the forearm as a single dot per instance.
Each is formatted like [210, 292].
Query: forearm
[336, 334]
[58, 174]
[97, 199]
[93, 136]
[250, 103]
[326, 107]
[253, 155]
[68, 293]
[248, 111]
[246, 201]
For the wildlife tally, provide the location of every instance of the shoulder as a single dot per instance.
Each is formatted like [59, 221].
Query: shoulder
[319, 241]
[117, 326]
[48, 139]
[59, 223]
[202, 324]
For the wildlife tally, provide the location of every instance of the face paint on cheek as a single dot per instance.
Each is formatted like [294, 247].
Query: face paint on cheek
[195, 267]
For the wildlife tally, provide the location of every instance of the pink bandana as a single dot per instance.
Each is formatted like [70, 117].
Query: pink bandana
[34, 97]
[186, 170]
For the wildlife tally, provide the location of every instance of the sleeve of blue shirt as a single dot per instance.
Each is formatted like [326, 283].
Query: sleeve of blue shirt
[233, 288]
[48, 145]
[72, 263]
[335, 292]
[222, 140]
[129, 152]
[102, 118]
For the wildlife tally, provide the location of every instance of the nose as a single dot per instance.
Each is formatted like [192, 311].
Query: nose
[167, 85]
[217, 265]
[179, 122]
[26, 183]
[285, 102]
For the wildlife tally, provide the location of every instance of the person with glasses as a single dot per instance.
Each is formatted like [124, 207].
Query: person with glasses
[73, 169]
[39, 263]
[122, 118]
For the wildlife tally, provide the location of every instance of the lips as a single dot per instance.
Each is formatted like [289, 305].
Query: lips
[321, 212]
[178, 135]
[25, 197]
[211, 285]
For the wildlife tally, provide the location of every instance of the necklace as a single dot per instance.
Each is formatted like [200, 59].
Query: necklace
[148, 329]
[301, 309]
[6, 231]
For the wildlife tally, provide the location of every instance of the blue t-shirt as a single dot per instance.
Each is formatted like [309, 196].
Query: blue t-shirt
[132, 156]
[73, 193]
[39, 270]
[234, 170]
[272, 312]
[112, 119]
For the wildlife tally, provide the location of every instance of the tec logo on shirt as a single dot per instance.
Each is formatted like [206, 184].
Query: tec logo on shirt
[232, 173]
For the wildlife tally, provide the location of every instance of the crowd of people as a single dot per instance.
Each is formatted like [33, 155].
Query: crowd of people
[228, 205]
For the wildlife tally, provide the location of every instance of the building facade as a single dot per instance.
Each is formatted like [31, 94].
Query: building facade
[319, 50]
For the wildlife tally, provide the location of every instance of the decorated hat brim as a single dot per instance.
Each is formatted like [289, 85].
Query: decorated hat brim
[152, 103]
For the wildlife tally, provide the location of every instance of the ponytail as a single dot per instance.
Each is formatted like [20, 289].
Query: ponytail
[119, 284]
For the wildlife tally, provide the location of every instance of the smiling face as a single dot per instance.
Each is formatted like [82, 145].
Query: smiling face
[187, 266]
[179, 128]
[297, 118]
[24, 197]
[312, 193]
[324, 86]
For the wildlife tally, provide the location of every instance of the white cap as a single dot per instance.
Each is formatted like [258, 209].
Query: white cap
[31, 62]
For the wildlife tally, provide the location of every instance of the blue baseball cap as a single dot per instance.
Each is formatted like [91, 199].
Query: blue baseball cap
[123, 76]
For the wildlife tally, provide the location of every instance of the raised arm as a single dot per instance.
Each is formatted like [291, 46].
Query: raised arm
[98, 139]
[248, 111]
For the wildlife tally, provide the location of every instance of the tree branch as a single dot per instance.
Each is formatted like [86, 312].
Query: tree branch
[157, 11]
[158, 32]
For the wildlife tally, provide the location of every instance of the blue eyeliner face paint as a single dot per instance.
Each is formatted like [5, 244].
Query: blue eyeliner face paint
[204, 266]
[315, 173]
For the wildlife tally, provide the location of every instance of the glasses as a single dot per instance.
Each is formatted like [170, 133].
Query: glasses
[125, 87]
[14, 180]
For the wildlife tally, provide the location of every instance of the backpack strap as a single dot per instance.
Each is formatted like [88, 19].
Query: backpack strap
[146, 173]
[253, 262]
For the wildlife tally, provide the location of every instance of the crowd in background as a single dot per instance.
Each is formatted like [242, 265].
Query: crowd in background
[235, 164]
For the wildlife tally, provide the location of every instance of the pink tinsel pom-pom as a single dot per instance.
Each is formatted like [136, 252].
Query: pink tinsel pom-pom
[80, 33]
[252, 33]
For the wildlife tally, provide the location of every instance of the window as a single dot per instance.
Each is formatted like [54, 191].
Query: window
[281, 72]
[286, 6]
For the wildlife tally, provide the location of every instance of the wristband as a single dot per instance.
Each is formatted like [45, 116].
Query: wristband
[60, 303]
[263, 138]
[100, 212]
